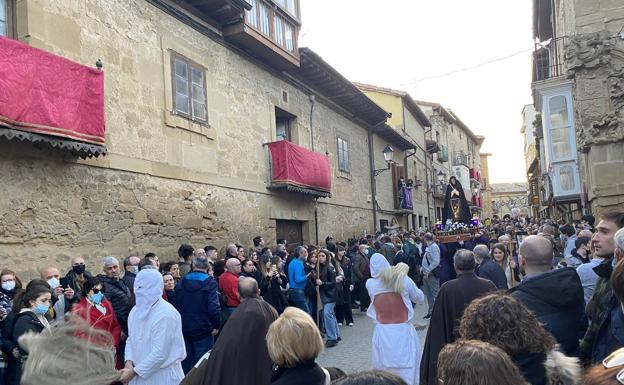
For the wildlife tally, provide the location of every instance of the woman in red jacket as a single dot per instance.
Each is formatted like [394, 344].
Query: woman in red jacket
[98, 312]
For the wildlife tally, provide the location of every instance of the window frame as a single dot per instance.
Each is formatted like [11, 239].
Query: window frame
[342, 152]
[190, 66]
[11, 30]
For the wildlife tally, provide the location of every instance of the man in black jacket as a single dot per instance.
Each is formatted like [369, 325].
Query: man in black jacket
[556, 296]
[489, 269]
[116, 291]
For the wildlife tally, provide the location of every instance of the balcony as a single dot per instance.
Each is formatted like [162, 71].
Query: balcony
[443, 155]
[270, 30]
[548, 59]
[297, 169]
[460, 159]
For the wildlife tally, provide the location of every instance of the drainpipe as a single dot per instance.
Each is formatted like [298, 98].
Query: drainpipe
[427, 174]
[312, 99]
[371, 158]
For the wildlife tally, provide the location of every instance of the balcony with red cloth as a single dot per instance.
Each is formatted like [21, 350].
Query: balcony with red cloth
[47, 99]
[297, 169]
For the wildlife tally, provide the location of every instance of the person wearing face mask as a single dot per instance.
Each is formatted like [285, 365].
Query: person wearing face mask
[29, 307]
[131, 269]
[61, 297]
[96, 310]
[77, 276]
[10, 283]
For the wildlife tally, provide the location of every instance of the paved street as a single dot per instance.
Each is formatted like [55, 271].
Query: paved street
[353, 353]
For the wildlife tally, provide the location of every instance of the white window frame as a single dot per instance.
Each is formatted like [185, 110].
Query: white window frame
[343, 152]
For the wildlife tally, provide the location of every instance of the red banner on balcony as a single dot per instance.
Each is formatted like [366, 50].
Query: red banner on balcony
[298, 169]
[46, 94]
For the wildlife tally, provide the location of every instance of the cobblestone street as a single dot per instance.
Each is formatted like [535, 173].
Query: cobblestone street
[353, 353]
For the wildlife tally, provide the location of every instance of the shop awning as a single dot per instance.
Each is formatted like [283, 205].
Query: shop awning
[47, 98]
[297, 169]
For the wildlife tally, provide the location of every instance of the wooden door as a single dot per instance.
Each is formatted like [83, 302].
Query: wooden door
[291, 231]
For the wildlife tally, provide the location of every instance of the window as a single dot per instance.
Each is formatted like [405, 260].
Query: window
[279, 30]
[566, 178]
[343, 155]
[284, 122]
[265, 17]
[289, 32]
[252, 14]
[189, 89]
[288, 5]
[560, 127]
[6, 17]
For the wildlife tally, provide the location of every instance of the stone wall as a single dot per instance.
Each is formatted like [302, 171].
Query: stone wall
[166, 180]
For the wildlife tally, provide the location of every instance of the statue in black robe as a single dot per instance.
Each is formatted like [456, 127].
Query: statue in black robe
[455, 204]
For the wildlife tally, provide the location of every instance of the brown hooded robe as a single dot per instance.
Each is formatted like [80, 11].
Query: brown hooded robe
[243, 339]
[453, 298]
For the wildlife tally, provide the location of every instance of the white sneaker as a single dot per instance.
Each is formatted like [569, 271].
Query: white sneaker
[351, 324]
[339, 323]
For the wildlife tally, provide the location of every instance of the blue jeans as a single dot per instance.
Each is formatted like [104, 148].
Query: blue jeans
[331, 325]
[194, 351]
[297, 297]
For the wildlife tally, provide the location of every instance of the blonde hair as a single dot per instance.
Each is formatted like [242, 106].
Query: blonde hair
[293, 338]
[394, 277]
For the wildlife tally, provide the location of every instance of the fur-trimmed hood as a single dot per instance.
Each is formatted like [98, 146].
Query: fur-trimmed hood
[561, 369]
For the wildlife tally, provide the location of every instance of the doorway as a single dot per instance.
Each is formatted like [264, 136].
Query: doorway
[291, 231]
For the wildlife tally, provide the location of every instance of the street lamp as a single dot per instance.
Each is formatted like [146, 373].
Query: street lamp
[388, 153]
[441, 177]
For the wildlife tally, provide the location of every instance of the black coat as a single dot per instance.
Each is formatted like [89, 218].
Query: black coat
[116, 291]
[71, 282]
[304, 374]
[557, 299]
[328, 288]
[492, 271]
[271, 291]
[21, 324]
[342, 291]
[448, 308]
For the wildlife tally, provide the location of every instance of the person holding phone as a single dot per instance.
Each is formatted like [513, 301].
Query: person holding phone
[272, 283]
[62, 296]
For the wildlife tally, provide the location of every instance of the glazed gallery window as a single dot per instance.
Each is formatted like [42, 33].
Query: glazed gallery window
[560, 127]
[6, 17]
[566, 178]
[189, 88]
[343, 155]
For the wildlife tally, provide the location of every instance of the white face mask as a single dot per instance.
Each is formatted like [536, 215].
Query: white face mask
[54, 282]
[8, 285]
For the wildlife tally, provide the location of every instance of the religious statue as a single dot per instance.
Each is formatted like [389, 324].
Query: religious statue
[455, 205]
[405, 193]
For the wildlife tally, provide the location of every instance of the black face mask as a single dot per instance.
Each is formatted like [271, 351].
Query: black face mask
[79, 269]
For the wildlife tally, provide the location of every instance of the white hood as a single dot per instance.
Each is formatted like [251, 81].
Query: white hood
[378, 263]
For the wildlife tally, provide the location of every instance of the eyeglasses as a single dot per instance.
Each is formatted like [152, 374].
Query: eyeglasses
[615, 359]
[96, 291]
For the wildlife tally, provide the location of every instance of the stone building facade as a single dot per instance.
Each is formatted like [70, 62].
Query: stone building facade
[166, 179]
[578, 75]
[509, 199]
[409, 121]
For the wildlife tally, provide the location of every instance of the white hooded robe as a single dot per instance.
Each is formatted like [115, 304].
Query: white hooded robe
[396, 347]
[155, 343]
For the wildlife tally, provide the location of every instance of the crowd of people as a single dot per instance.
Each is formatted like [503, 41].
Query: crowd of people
[519, 301]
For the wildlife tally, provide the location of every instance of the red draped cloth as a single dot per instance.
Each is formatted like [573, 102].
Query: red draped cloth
[299, 169]
[46, 94]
